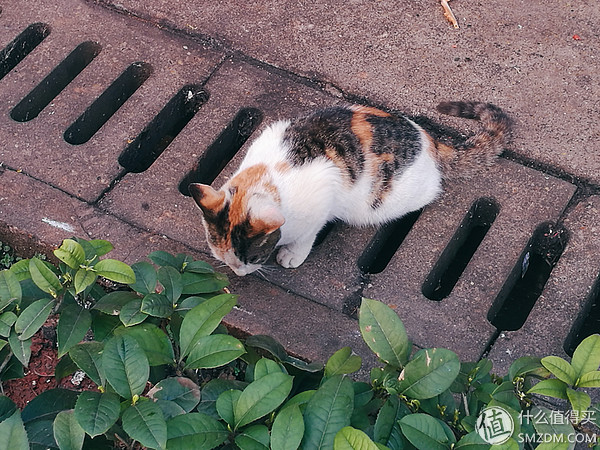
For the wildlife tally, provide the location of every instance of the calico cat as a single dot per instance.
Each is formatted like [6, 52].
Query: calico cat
[357, 164]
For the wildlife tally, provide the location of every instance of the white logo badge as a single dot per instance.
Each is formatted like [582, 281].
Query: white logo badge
[495, 425]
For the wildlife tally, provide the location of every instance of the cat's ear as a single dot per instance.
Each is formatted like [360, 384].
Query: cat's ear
[208, 199]
[266, 220]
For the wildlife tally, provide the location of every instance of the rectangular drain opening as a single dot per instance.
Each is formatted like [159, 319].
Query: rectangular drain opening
[587, 322]
[160, 132]
[380, 251]
[223, 149]
[460, 250]
[21, 46]
[56, 81]
[528, 277]
[108, 103]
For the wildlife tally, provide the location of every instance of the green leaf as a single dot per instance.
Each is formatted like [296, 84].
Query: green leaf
[328, 411]
[164, 259]
[84, 278]
[145, 278]
[10, 289]
[550, 388]
[21, 270]
[100, 247]
[71, 253]
[386, 426]
[545, 426]
[73, 324]
[113, 302]
[429, 373]
[472, 441]
[560, 368]
[261, 397]
[226, 404]
[200, 283]
[527, 365]
[67, 432]
[265, 366]
[199, 267]
[342, 362]
[48, 404]
[115, 270]
[170, 279]
[125, 366]
[384, 332]
[586, 357]
[157, 305]
[88, 357]
[194, 431]
[33, 317]
[203, 319]
[96, 412]
[183, 391]
[7, 320]
[288, 429]
[131, 313]
[214, 351]
[7, 407]
[13, 433]
[580, 402]
[144, 422]
[255, 437]
[21, 349]
[43, 277]
[349, 438]
[152, 340]
[590, 379]
[424, 431]
[268, 344]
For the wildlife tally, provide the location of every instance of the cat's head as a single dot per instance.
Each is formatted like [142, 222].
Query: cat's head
[242, 228]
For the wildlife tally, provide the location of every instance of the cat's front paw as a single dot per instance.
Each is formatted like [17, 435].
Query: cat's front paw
[290, 259]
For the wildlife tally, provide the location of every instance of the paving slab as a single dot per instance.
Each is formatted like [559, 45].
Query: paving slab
[538, 59]
[37, 146]
[37, 217]
[525, 199]
[152, 199]
[239, 58]
[568, 298]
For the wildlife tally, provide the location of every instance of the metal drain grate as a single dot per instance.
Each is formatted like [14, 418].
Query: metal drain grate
[117, 128]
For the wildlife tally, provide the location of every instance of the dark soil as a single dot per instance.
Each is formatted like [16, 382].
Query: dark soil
[39, 375]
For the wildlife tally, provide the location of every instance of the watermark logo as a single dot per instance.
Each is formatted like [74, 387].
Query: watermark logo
[495, 425]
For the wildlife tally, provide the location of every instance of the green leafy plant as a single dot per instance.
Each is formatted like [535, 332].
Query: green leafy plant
[148, 341]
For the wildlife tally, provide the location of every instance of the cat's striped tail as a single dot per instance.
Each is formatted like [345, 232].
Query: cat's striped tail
[480, 150]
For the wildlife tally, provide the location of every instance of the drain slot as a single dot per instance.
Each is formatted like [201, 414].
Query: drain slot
[55, 82]
[379, 252]
[456, 256]
[160, 132]
[587, 322]
[108, 103]
[528, 277]
[21, 46]
[223, 149]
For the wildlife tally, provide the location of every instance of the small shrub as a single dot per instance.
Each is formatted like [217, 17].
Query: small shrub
[158, 329]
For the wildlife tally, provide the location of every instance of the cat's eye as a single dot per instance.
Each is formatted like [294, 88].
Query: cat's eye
[260, 248]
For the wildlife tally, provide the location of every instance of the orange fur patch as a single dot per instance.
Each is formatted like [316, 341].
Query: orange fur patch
[361, 127]
[245, 184]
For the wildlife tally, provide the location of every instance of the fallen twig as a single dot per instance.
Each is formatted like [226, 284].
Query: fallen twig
[448, 14]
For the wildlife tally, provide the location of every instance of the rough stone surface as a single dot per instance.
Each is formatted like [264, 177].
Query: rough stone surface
[37, 147]
[538, 59]
[562, 303]
[526, 198]
[535, 59]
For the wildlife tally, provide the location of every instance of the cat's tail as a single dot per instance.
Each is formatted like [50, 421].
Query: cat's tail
[480, 150]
